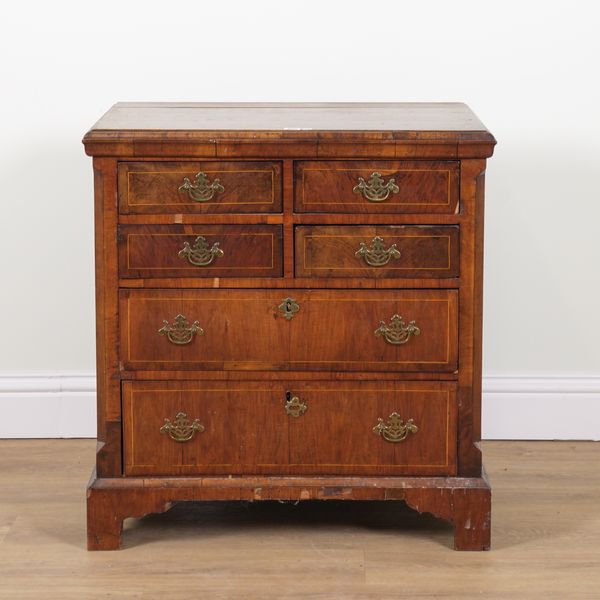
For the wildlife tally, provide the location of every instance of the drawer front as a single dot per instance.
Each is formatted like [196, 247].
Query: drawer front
[199, 187]
[377, 186]
[377, 251]
[298, 329]
[238, 425]
[200, 251]
[376, 331]
[362, 428]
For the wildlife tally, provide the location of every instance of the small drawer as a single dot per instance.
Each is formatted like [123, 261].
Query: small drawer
[312, 330]
[199, 187]
[200, 251]
[377, 251]
[377, 186]
[300, 427]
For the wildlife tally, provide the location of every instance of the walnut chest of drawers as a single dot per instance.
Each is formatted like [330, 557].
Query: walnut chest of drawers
[289, 307]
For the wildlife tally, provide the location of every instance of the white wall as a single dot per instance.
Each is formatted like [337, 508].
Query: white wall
[529, 70]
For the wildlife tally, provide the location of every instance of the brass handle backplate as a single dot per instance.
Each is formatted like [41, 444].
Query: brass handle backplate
[181, 332]
[397, 332]
[182, 429]
[201, 189]
[288, 308]
[376, 255]
[395, 430]
[294, 406]
[376, 190]
[200, 254]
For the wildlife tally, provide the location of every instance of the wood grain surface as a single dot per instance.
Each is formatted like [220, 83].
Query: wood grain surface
[422, 186]
[332, 330]
[154, 187]
[330, 251]
[334, 435]
[154, 251]
[267, 116]
[300, 130]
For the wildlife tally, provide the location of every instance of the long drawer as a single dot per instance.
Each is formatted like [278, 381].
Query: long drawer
[200, 251]
[199, 187]
[376, 251]
[203, 427]
[361, 186]
[300, 329]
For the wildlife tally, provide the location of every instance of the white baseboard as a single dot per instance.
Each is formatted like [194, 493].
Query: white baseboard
[541, 408]
[515, 408]
[47, 406]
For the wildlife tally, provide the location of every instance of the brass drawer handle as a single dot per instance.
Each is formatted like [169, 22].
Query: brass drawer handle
[288, 308]
[201, 189]
[182, 429]
[294, 407]
[181, 332]
[200, 254]
[397, 332]
[395, 430]
[376, 255]
[375, 190]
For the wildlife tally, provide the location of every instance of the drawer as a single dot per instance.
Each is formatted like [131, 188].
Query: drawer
[375, 330]
[377, 186]
[377, 251]
[200, 251]
[199, 187]
[361, 428]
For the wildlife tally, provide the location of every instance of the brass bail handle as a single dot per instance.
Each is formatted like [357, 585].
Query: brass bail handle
[397, 332]
[202, 189]
[200, 254]
[376, 189]
[181, 332]
[376, 255]
[395, 429]
[181, 429]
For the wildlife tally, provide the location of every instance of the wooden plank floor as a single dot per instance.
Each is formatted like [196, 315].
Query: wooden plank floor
[545, 539]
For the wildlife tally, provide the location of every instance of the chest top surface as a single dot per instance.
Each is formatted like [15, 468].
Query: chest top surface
[447, 122]
[396, 116]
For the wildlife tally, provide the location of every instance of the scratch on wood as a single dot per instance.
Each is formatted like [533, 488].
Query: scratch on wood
[339, 492]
